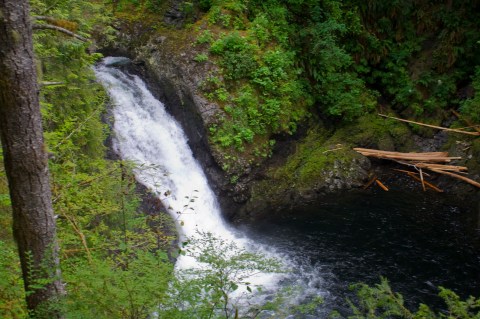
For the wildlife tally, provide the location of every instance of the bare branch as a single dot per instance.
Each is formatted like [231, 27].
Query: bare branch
[37, 26]
[432, 126]
[44, 18]
[50, 83]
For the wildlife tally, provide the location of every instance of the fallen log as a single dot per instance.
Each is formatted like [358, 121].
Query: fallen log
[420, 157]
[429, 154]
[420, 161]
[416, 158]
[441, 167]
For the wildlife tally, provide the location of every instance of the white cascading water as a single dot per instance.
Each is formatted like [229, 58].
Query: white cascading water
[147, 135]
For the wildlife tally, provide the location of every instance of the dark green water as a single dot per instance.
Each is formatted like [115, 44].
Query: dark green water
[418, 241]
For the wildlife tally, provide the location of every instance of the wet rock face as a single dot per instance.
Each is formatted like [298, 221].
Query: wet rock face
[166, 62]
[175, 80]
[174, 15]
[273, 194]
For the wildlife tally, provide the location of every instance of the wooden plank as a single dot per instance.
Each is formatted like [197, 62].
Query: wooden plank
[431, 126]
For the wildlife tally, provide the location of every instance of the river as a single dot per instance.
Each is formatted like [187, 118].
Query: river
[418, 241]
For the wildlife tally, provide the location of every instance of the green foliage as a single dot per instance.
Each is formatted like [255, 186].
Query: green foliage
[338, 55]
[200, 58]
[338, 90]
[154, 6]
[259, 87]
[419, 51]
[207, 291]
[131, 284]
[378, 302]
[12, 302]
[275, 60]
[205, 37]
[471, 107]
[381, 302]
[105, 240]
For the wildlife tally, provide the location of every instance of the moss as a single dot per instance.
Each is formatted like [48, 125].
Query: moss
[316, 158]
[323, 157]
[311, 159]
[433, 118]
[374, 131]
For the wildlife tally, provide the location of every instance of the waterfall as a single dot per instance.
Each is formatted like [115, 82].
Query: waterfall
[350, 241]
[147, 135]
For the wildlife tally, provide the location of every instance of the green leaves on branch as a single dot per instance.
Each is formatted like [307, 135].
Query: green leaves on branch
[380, 301]
[220, 286]
[471, 107]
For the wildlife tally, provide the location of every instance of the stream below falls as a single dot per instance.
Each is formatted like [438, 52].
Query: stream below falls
[417, 240]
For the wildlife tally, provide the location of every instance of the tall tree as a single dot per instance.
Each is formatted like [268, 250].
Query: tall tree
[26, 162]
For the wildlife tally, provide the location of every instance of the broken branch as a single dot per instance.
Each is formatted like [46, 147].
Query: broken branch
[370, 182]
[431, 126]
[385, 188]
[37, 26]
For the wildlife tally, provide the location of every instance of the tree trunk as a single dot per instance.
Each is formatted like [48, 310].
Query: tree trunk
[26, 161]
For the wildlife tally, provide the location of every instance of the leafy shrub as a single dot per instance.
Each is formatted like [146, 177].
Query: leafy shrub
[201, 58]
[205, 37]
[381, 302]
[471, 107]
[104, 289]
[12, 302]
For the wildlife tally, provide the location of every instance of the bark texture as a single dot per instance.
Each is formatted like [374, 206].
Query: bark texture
[26, 160]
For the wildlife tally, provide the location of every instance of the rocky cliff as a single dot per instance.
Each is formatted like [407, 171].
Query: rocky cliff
[315, 163]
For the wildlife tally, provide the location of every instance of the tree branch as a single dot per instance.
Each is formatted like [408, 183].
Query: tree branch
[37, 26]
[50, 83]
[44, 18]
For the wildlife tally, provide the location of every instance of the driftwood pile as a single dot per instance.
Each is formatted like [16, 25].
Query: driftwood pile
[432, 161]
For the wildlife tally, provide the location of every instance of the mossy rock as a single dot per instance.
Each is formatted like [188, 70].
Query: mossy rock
[324, 163]
[319, 166]
[373, 131]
